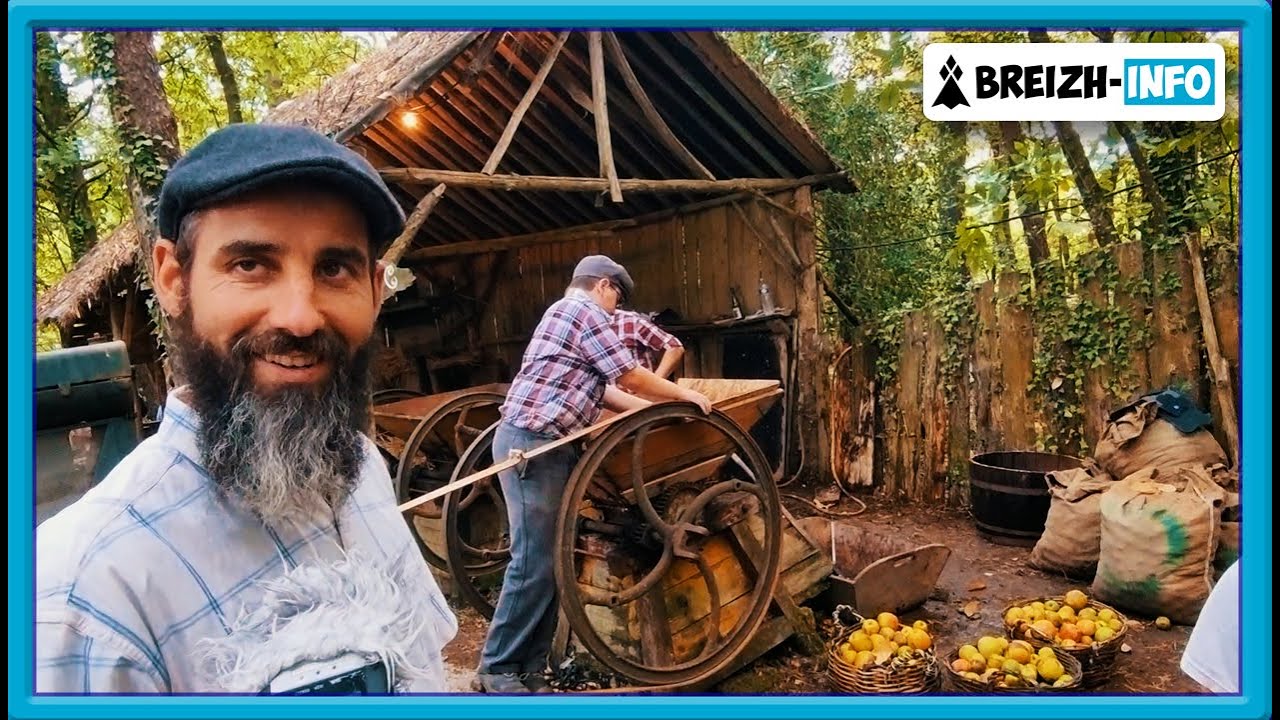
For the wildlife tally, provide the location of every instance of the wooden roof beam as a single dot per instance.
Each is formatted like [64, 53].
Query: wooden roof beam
[603, 229]
[657, 81]
[551, 93]
[648, 151]
[495, 89]
[417, 152]
[714, 105]
[513, 124]
[544, 183]
[650, 112]
[743, 82]
[413, 224]
[643, 155]
[601, 112]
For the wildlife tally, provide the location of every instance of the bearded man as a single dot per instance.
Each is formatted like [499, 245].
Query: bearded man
[252, 544]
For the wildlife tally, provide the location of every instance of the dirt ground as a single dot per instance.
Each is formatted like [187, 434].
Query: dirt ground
[978, 570]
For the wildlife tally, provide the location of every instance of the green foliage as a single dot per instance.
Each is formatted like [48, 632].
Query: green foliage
[898, 245]
[270, 66]
[931, 218]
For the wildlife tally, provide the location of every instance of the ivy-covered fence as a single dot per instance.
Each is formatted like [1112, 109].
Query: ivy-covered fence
[1017, 365]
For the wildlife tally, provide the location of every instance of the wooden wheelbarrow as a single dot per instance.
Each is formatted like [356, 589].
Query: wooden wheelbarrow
[875, 573]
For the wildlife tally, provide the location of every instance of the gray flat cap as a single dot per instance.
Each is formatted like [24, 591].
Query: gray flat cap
[247, 156]
[603, 266]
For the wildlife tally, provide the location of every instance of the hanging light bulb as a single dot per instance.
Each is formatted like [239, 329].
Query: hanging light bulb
[409, 118]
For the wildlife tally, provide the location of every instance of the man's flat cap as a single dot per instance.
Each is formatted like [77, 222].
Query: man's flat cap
[604, 267]
[244, 157]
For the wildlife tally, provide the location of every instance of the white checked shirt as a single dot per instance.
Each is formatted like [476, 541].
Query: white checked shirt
[1212, 656]
[151, 561]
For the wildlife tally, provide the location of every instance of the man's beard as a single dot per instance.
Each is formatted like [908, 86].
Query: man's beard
[288, 454]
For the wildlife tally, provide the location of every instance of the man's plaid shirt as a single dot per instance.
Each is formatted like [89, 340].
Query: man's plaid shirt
[131, 577]
[646, 341]
[573, 354]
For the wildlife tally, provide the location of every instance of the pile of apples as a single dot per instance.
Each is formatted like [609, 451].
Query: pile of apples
[999, 662]
[1069, 623]
[880, 640]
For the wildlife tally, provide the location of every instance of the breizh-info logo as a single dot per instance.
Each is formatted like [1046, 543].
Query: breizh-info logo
[1074, 81]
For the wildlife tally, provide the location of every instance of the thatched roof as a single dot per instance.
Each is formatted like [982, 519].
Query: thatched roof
[462, 87]
[336, 105]
[359, 90]
[78, 290]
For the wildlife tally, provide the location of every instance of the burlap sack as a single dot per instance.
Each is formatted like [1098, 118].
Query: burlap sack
[1139, 439]
[1160, 532]
[1228, 548]
[1073, 529]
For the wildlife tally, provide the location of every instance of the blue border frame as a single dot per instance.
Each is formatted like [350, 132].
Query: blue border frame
[1252, 18]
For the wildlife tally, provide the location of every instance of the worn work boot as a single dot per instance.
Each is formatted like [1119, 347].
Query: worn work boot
[499, 684]
[536, 682]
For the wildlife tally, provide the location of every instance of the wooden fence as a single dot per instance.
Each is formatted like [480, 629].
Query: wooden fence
[977, 386]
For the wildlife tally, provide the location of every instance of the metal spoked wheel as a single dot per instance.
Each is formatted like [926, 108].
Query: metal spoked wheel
[478, 545]
[668, 547]
[429, 459]
[383, 397]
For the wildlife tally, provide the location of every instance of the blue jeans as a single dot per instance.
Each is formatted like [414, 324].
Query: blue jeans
[525, 619]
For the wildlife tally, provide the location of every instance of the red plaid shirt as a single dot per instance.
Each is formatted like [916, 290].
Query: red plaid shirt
[573, 354]
[646, 341]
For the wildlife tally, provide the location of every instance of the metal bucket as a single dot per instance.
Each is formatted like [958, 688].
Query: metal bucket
[1009, 495]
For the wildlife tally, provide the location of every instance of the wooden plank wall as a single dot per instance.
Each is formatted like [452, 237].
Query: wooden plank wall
[1175, 353]
[929, 432]
[853, 414]
[686, 264]
[1101, 383]
[1226, 316]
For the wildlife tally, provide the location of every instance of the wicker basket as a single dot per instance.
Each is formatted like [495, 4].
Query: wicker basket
[907, 676]
[968, 685]
[1097, 661]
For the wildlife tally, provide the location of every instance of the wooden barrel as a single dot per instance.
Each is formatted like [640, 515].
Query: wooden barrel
[1009, 495]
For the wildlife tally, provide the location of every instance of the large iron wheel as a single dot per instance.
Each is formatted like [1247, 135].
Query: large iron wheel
[383, 397]
[428, 462]
[654, 574]
[478, 540]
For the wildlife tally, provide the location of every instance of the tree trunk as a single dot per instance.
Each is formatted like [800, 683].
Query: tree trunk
[953, 177]
[1158, 221]
[148, 135]
[272, 80]
[1033, 224]
[144, 121]
[1095, 201]
[60, 167]
[1001, 233]
[230, 89]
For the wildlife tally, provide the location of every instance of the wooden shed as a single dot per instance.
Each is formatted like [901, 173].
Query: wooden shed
[519, 152]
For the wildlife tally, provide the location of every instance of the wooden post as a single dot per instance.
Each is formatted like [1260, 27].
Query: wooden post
[1219, 370]
[517, 115]
[601, 111]
[811, 391]
[413, 224]
[1097, 401]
